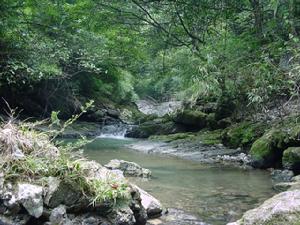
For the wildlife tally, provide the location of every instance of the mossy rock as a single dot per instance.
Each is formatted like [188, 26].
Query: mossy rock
[291, 158]
[267, 150]
[243, 134]
[192, 118]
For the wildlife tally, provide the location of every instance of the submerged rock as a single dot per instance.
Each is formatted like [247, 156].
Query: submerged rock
[129, 168]
[31, 197]
[176, 217]
[282, 209]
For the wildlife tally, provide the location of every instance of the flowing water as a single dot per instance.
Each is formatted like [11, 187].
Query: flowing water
[216, 194]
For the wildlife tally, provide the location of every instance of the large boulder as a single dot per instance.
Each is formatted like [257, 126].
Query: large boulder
[152, 205]
[128, 168]
[291, 158]
[31, 198]
[282, 209]
[193, 118]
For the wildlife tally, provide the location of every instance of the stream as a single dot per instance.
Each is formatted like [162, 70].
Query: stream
[215, 194]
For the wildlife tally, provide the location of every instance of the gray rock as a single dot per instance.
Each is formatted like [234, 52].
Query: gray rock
[136, 206]
[129, 168]
[59, 215]
[61, 192]
[89, 219]
[282, 175]
[11, 203]
[31, 197]
[122, 216]
[152, 205]
[113, 113]
[95, 170]
[282, 209]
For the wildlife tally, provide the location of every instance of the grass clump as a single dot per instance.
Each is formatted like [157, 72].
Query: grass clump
[28, 155]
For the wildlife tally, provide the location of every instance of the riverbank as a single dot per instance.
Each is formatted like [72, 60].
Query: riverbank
[47, 182]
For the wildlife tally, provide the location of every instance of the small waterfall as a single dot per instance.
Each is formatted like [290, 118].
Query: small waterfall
[113, 131]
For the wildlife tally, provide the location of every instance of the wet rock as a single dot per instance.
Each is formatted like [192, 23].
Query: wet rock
[152, 205]
[283, 208]
[291, 158]
[176, 217]
[31, 197]
[241, 158]
[129, 168]
[282, 186]
[282, 175]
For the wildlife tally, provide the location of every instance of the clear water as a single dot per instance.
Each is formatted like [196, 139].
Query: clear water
[216, 194]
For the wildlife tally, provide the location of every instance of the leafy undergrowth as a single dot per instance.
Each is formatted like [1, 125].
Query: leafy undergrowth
[28, 155]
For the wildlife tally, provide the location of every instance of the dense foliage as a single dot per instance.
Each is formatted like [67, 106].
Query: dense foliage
[244, 52]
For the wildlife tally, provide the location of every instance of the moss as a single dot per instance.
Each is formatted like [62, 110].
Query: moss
[172, 137]
[242, 134]
[211, 121]
[291, 158]
[192, 118]
[267, 150]
[210, 137]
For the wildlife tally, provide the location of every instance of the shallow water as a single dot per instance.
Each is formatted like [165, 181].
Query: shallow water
[214, 193]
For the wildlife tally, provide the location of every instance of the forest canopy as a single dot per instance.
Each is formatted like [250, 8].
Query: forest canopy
[245, 52]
